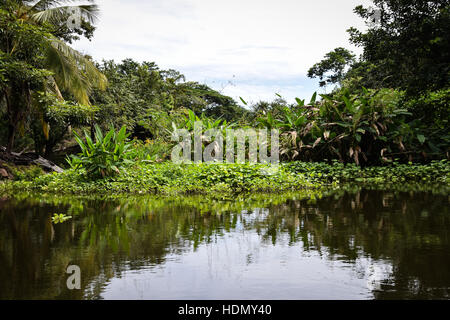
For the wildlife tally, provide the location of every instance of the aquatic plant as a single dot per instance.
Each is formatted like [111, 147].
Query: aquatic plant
[60, 218]
[228, 179]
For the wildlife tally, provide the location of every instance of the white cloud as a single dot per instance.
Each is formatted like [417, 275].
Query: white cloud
[261, 45]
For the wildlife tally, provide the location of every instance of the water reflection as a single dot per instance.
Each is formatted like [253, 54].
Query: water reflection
[305, 245]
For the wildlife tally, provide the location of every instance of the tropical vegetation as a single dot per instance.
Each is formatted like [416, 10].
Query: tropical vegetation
[385, 110]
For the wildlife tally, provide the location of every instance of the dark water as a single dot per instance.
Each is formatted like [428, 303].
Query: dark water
[349, 245]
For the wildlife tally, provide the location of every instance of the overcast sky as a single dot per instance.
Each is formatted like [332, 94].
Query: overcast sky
[247, 48]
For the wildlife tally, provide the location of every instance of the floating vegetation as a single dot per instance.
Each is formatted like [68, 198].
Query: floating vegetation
[60, 218]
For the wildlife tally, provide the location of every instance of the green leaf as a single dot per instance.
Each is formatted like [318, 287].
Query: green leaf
[301, 103]
[300, 121]
[421, 138]
[79, 141]
[89, 141]
[98, 133]
[313, 98]
[326, 97]
[243, 101]
[348, 104]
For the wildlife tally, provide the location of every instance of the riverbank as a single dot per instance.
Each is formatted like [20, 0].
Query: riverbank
[225, 179]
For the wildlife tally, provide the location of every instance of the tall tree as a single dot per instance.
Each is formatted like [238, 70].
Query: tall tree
[408, 46]
[332, 68]
[34, 56]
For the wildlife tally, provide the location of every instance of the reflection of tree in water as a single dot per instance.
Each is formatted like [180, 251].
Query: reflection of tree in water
[106, 238]
[410, 230]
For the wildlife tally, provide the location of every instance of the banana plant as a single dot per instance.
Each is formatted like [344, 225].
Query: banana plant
[352, 128]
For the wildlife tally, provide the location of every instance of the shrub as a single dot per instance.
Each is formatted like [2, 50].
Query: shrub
[369, 127]
[432, 108]
[107, 156]
[150, 150]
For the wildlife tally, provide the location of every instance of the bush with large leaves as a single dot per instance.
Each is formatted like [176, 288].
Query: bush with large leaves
[109, 155]
[367, 127]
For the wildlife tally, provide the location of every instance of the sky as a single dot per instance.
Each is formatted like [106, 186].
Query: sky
[252, 49]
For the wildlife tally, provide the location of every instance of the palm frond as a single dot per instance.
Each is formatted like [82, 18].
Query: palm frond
[72, 70]
[43, 4]
[59, 14]
[52, 87]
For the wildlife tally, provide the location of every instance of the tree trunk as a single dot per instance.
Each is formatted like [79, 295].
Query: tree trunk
[18, 103]
[11, 135]
[49, 145]
[27, 159]
[92, 132]
[11, 123]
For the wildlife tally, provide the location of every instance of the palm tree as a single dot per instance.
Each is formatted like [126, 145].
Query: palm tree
[71, 70]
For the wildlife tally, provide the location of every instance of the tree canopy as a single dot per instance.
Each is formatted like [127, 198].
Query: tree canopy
[406, 47]
[35, 58]
[332, 67]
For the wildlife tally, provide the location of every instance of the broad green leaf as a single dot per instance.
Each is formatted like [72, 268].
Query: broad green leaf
[243, 101]
[421, 138]
[348, 104]
[301, 103]
[313, 98]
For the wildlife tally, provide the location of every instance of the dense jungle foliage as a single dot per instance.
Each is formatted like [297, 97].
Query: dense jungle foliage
[390, 105]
